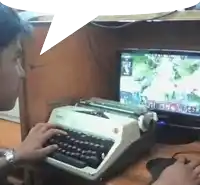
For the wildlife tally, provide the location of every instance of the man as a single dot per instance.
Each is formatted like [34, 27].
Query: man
[11, 72]
[31, 149]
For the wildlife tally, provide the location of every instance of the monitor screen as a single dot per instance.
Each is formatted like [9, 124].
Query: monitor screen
[161, 79]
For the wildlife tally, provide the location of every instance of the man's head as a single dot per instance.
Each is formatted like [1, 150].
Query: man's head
[11, 30]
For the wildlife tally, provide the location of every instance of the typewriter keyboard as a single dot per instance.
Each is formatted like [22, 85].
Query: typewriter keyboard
[80, 150]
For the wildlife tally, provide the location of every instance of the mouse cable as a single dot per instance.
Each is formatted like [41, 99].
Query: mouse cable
[186, 152]
[130, 23]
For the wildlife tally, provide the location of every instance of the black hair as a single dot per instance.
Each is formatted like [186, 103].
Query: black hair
[10, 25]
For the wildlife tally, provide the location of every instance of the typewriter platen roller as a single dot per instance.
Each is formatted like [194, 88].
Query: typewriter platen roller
[99, 106]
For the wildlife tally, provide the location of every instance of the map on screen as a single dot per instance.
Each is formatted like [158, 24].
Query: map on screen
[161, 81]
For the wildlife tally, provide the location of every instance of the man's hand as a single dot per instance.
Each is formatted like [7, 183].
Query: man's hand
[32, 148]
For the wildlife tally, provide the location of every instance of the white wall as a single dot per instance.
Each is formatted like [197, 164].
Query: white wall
[12, 115]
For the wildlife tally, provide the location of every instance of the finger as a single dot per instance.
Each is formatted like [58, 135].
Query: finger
[197, 170]
[193, 164]
[51, 132]
[38, 126]
[44, 152]
[46, 127]
[35, 128]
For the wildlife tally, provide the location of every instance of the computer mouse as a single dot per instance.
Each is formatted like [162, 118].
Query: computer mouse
[156, 166]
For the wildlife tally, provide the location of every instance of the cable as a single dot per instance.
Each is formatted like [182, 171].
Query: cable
[91, 47]
[90, 43]
[192, 7]
[130, 23]
[118, 27]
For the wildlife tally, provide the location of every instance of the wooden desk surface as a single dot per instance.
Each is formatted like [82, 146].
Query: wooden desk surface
[10, 134]
[138, 175]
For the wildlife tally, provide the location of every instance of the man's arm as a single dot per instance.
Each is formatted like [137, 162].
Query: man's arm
[31, 149]
[5, 168]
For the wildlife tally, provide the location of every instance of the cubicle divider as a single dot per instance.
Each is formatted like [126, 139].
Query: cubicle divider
[83, 65]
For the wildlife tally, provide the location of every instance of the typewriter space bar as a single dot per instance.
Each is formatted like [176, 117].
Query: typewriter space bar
[69, 160]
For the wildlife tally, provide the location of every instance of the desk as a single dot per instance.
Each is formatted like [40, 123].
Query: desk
[134, 175]
[10, 134]
[138, 175]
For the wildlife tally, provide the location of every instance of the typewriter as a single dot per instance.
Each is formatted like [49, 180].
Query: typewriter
[98, 133]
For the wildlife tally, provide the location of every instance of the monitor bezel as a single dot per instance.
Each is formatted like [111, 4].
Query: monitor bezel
[159, 51]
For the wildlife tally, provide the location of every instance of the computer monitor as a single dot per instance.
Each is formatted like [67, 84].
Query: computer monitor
[164, 80]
